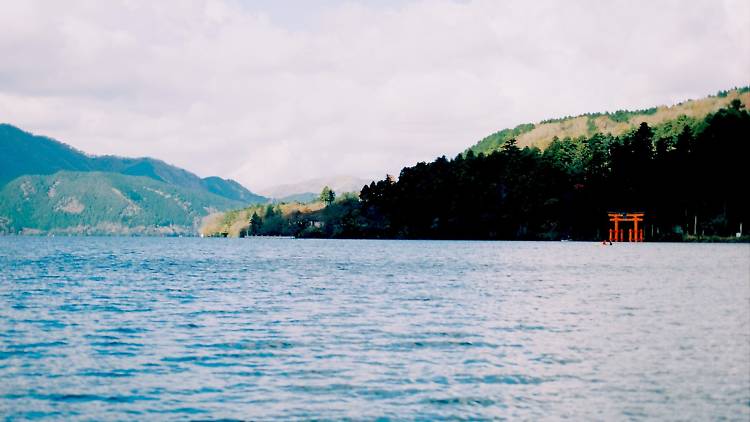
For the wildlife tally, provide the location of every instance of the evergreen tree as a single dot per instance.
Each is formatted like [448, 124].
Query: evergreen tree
[256, 223]
[327, 195]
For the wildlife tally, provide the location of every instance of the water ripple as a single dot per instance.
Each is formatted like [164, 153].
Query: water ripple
[257, 329]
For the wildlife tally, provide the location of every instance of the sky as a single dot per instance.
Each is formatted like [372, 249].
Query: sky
[269, 92]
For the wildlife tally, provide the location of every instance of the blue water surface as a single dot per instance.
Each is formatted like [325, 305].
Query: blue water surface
[182, 328]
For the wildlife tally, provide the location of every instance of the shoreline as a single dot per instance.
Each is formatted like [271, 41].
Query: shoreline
[685, 239]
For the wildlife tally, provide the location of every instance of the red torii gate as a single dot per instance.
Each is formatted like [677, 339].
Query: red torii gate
[634, 234]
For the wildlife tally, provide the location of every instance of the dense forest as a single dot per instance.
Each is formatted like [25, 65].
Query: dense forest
[688, 175]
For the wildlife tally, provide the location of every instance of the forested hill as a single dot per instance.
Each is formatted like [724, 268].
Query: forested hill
[615, 123]
[690, 177]
[47, 187]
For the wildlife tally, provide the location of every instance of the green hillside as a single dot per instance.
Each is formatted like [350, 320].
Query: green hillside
[663, 118]
[103, 203]
[22, 153]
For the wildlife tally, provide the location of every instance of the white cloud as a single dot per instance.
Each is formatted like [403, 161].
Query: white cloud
[275, 92]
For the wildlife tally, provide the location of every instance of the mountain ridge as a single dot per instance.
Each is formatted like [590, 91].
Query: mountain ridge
[46, 155]
[49, 187]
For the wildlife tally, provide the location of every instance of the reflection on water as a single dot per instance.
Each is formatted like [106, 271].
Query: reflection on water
[129, 328]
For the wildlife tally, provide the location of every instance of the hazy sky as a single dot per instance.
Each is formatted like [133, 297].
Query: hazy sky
[271, 92]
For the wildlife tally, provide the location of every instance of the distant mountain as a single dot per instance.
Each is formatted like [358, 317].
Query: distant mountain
[228, 188]
[302, 198]
[48, 187]
[615, 123]
[311, 188]
[22, 153]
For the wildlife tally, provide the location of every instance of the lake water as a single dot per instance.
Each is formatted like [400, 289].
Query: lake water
[153, 329]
